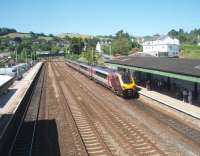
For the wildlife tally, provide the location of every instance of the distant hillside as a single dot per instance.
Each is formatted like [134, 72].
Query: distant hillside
[4, 31]
[25, 35]
[71, 35]
[16, 34]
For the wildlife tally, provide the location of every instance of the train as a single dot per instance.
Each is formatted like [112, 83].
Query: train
[120, 82]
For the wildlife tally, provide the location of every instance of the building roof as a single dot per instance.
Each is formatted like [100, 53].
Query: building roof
[173, 65]
[160, 38]
[141, 54]
[4, 79]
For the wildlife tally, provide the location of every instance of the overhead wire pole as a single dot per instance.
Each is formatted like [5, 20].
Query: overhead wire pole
[110, 49]
[31, 58]
[26, 56]
[92, 56]
[16, 61]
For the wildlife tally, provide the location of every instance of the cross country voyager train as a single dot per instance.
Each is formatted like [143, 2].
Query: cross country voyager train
[121, 83]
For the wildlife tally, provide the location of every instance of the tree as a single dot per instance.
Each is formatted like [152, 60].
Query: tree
[181, 31]
[88, 56]
[121, 45]
[76, 45]
[91, 42]
[51, 35]
[4, 31]
[182, 38]
[42, 34]
[191, 37]
[55, 49]
[121, 33]
[173, 33]
[18, 39]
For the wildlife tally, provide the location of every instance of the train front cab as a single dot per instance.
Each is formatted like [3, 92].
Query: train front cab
[128, 85]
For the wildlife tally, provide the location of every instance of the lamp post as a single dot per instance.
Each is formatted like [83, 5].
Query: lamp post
[16, 62]
[92, 56]
[110, 49]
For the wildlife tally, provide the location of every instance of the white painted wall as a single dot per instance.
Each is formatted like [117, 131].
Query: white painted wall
[164, 47]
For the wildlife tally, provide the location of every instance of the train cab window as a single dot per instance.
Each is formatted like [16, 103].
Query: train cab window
[102, 75]
[126, 77]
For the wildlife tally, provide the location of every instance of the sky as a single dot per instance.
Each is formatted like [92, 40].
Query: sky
[100, 17]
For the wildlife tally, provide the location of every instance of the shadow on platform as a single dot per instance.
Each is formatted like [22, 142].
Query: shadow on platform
[4, 98]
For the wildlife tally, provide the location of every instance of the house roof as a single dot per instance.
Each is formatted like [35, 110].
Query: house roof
[173, 65]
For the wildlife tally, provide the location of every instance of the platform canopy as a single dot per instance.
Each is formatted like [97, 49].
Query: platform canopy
[184, 69]
[4, 79]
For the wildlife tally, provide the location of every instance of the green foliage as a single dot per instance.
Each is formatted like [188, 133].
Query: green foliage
[190, 51]
[121, 45]
[42, 34]
[193, 37]
[34, 35]
[136, 45]
[4, 31]
[76, 45]
[106, 49]
[122, 34]
[51, 35]
[91, 42]
[18, 39]
[55, 49]
[88, 56]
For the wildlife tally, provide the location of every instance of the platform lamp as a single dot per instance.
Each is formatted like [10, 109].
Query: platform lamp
[16, 61]
[110, 48]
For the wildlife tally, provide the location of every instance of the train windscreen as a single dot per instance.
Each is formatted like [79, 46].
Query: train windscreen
[126, 77]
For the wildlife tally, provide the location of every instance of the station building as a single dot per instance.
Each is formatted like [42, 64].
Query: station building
[177, 74]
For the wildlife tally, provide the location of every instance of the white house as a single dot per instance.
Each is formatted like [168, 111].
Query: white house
[98, 48]
[162, 46]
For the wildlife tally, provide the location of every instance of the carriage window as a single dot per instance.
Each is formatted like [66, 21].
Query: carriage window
[101, 74]
[126, 77]
[83, 67]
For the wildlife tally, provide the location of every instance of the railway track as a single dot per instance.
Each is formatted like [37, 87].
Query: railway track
[178, 126]
[87, 123]
[191, 134]
[108, 121]
[24, 138]
[91, 138]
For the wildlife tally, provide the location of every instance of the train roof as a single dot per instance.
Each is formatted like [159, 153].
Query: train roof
[98, 68]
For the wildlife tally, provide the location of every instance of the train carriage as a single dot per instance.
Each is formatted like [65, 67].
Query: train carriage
[121, 83]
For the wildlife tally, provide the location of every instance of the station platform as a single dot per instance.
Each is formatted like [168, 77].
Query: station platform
[10, 101]
[186, 108]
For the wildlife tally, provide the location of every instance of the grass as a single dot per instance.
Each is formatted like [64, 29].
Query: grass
[13, 35]
[24, 35]
[191, 51]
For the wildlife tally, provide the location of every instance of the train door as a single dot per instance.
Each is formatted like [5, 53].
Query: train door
[92, 72]
[115, 83]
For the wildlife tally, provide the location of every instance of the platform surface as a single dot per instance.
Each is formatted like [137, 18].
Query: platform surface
[11, 100]
[179, 105]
